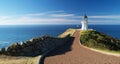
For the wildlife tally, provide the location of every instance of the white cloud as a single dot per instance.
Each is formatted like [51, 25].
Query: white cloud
[107, 17]
[55, 17]
[62, 15]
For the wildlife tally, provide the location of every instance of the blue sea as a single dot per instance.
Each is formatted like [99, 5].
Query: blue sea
[10, 34]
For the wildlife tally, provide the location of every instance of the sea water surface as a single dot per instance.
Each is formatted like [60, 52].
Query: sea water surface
[10, 34]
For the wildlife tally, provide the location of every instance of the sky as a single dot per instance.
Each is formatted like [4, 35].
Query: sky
[25, 12]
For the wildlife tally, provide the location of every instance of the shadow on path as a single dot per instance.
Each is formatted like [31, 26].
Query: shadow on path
[59, 50]
[62, 49]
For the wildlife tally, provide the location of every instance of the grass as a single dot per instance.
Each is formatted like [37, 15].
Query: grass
[67, 32]
[18, 60]
[33, 60]
[100, 41]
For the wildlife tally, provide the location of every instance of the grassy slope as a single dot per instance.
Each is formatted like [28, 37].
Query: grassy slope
[67, 32]
[18, 60]
[97, 40]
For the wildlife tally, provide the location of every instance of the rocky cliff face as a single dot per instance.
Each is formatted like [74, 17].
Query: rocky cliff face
[34, 46]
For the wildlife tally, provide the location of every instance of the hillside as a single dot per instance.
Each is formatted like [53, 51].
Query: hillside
[98, 40]
[33, 47]
[30, 52]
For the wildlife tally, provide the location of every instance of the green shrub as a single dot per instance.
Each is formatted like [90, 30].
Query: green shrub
[94, 39]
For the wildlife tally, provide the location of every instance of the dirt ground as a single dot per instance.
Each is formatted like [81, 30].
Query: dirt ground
[75, 53]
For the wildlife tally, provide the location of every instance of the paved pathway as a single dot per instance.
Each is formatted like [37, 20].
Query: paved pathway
[77, 54]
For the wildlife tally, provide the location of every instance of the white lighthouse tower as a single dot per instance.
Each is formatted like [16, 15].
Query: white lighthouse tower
[84, 23]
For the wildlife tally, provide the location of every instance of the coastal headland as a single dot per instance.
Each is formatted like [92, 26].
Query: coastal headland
[67, 48]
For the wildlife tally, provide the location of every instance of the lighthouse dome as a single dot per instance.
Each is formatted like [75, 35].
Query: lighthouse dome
[85, 16]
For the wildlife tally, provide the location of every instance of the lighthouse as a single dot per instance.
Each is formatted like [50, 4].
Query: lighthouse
[84, 23]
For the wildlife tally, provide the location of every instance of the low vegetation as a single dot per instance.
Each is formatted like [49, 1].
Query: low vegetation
[98, 40]
[18, 60]
[67, 32]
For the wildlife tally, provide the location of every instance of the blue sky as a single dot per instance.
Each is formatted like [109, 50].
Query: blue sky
[13, 12]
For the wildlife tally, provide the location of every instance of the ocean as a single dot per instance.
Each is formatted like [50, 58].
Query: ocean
[10, 34]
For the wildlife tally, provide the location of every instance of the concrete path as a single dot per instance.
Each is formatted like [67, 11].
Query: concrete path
[78, 54]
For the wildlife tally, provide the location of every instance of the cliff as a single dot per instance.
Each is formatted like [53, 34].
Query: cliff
[34, 46]
[98, 40]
